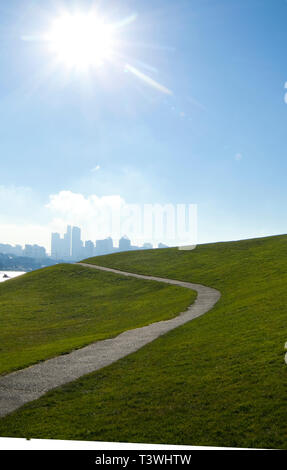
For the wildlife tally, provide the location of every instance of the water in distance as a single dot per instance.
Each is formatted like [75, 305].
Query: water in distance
[6, 275]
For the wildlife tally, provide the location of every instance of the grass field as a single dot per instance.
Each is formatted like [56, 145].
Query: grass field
[220, 380]
[54, 310]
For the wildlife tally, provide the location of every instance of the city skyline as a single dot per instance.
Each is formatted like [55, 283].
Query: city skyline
[29, 251]
[70, 247]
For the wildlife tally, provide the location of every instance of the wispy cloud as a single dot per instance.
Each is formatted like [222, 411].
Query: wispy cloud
[92, 213]
[96, 168]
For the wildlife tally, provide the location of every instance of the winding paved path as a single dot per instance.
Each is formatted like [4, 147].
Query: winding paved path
[20, 387]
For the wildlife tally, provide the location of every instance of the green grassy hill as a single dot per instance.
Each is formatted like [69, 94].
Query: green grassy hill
[54, 310]
[220, 380]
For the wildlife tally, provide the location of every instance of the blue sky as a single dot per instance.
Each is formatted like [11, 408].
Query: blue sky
[218, 141]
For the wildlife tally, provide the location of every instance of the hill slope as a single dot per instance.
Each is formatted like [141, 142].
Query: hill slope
[220, 380]
[54, 310]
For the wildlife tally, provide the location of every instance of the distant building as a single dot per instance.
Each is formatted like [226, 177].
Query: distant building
[70, 247]
[56, 248]
[59, 249]
[162, 245]
[124, 244]
[104, 247]
[7, 249]
[77, 244]
[147, 246]
[89, 249]
[67, 243]
[34, 251]
[17, 250]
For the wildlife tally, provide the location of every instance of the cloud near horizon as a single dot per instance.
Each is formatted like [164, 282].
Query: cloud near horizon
[97, 216]
[25, 220]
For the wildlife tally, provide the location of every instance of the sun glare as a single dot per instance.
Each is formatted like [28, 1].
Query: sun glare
[81, 40]
[85, 40]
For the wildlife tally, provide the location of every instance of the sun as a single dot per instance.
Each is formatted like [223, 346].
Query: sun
[85, 40]
[81, 40]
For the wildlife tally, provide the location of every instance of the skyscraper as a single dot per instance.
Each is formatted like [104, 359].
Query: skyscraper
[77, 244]
[67, 243]
[56, 246]
[89, 249]
[104, 246]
